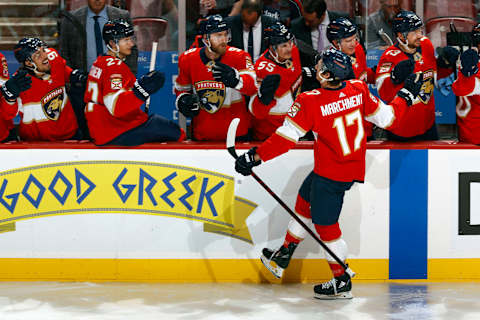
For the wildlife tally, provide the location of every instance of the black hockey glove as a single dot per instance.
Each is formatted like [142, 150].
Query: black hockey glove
[18, 83]
[469, 61]
[268, 87]
[246, 162]
[78, 78]
[148, 84]
[188, 104]
[226, 74]
[402, 70]
[411, 88]
[447, 57]
[309, 72]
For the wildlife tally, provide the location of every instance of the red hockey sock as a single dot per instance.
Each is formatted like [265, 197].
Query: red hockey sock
[289, 238]
[337, 269]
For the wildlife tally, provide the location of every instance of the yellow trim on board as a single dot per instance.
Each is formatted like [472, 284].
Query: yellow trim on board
[453, 269]
[215, 270]
[178, 270]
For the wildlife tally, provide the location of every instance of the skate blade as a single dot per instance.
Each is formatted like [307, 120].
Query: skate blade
[342, 295]
[272, 267]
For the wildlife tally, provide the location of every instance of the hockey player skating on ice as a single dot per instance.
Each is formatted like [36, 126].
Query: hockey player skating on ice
[281, 61]
[114, 97]
[413, 52]
[335, 114]
[212, 84]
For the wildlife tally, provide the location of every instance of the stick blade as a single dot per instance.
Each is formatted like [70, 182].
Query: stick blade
[231, 134]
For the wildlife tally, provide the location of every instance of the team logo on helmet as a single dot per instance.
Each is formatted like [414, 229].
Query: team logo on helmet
[215, 24]
[117, 29]
[211, 94]
[277, 34]
[24, 49]
[406, 21]
[340, 28]
[337, 63]
[52, 103]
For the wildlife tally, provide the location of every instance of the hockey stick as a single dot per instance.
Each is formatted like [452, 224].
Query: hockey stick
[385, 37]
[153, 59]
[231, 134]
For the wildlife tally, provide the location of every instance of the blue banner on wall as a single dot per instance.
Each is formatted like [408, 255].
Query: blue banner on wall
[163, 101]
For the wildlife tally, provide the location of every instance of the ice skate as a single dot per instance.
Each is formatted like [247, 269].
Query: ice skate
[337, 288]
[277, 261]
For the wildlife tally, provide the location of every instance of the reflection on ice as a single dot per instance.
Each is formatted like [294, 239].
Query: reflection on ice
[105, 301]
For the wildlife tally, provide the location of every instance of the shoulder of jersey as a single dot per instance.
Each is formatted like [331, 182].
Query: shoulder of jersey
[264, 67]
[259, 60]
[392, 48]
[310, 95]
[425, 40]
[188, 54]
[426, 43]
[235, 51]
[358, 84]
[359, 49]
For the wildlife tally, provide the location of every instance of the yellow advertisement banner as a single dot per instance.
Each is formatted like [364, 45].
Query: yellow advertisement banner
[128, 187]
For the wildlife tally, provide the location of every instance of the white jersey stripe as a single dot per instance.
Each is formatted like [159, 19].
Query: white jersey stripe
[33, 112]
[380, 80]
[110, 100]
[383, 116]
[290, 130]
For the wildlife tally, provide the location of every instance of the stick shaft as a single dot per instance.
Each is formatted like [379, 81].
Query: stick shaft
[233, 152]
[153, 59]
[294, 216]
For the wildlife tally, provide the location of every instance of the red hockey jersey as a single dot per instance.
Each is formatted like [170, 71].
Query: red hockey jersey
[112, 107]
[268, 118]
[45, 110]
[336, 119]
[467, 89]
[223, 103]
[424, 61]
[8, 112]
[359, 64]
[364, 73]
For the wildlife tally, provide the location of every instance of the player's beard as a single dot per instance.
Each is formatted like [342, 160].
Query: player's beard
[414, 45]
[219, 49]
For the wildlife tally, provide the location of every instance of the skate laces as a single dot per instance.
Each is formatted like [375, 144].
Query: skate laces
[274, 254]
[328, 284]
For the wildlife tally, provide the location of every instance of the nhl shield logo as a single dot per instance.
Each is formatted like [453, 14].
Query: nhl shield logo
[52, 103]
[211, 95]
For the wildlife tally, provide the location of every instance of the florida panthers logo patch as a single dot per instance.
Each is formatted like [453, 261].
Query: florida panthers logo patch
[426, 90]
[293, 110]
[116, 82]
[52, 103]
[211, 94]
